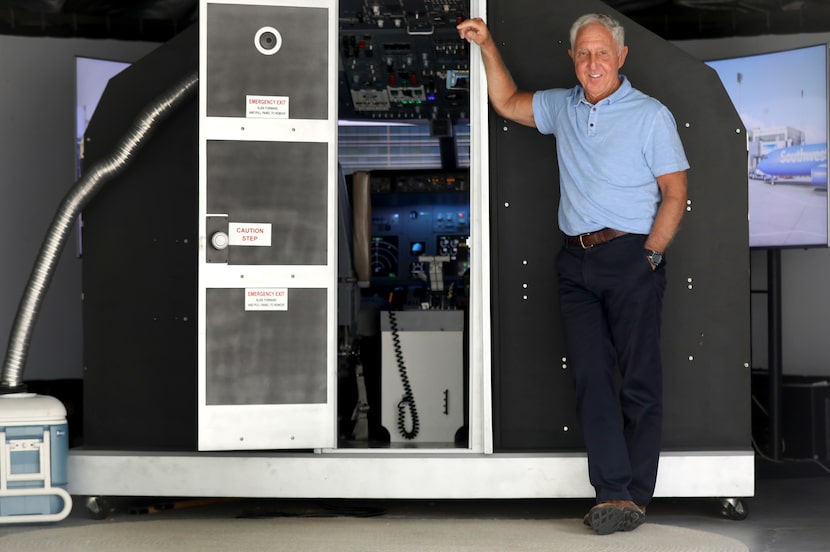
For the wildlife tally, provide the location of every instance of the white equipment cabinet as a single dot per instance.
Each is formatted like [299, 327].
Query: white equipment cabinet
[267, 197]
[424, 349]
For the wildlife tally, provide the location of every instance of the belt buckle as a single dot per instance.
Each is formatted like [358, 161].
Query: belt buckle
[582, 243]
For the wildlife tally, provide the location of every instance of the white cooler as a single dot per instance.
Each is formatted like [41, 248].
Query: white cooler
[34, 447]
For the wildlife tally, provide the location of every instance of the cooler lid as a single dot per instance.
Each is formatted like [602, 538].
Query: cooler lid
[30, 408]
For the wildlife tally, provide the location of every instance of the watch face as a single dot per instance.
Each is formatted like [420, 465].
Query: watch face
[655, 257]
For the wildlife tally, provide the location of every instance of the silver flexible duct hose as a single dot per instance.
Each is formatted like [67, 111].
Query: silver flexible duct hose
[11, 379]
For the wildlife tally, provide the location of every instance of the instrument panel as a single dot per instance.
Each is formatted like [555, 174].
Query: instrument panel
[403, 59]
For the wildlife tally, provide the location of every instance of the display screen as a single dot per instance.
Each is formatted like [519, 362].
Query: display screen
[781, 98]
[91, 78]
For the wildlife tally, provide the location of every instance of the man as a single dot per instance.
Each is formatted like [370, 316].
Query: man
[623, 193]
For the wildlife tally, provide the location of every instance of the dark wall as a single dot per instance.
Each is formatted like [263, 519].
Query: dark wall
[140, 248]
[706, 343]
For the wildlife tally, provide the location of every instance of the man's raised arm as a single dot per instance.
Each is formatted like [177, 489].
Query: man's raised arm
[505, 97]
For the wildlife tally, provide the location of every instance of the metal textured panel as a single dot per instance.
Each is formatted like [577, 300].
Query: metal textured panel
[268, 357]
[284, 184]
[236, 68]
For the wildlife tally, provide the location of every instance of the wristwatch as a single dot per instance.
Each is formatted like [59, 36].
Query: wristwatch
[654, 257]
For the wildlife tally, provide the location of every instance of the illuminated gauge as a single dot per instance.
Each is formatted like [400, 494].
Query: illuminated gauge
[384, 256]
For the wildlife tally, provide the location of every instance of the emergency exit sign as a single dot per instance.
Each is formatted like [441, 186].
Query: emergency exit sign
[266, 107]
[266, 299]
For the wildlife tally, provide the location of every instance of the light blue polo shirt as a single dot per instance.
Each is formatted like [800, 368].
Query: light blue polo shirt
[609, 156]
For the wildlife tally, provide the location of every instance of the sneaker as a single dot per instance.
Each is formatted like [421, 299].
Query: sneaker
[614, 515]
[634, 517]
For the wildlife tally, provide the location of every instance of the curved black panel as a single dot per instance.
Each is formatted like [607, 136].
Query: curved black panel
[706, 341]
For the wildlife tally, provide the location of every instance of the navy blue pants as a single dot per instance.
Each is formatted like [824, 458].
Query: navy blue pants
[611, 302]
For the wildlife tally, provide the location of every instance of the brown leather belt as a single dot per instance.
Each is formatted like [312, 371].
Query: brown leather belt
[590, 239]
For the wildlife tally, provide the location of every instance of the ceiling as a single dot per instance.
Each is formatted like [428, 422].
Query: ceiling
[158, 20]
[688, 19]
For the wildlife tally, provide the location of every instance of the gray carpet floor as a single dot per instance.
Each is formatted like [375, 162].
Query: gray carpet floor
[342, 534]
[787, 514]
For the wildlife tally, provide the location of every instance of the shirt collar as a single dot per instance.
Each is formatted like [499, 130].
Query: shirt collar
[621, 92]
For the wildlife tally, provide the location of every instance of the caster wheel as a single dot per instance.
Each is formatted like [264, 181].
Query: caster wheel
[734, 508]
[98, 507]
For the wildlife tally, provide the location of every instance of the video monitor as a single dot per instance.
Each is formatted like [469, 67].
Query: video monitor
[91, 78]
[781, 98]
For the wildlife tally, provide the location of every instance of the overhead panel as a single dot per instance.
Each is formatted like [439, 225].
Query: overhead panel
[403, 59]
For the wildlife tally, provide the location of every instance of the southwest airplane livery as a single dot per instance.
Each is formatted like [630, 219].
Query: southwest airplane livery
[797, 161]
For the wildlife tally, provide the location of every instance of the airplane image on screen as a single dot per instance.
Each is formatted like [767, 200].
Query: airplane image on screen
[803, 164]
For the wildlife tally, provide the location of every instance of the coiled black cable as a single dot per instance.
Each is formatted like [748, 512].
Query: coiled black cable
[408, 399]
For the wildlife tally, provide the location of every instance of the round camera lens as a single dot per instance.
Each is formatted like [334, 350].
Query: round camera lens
[267, 40]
